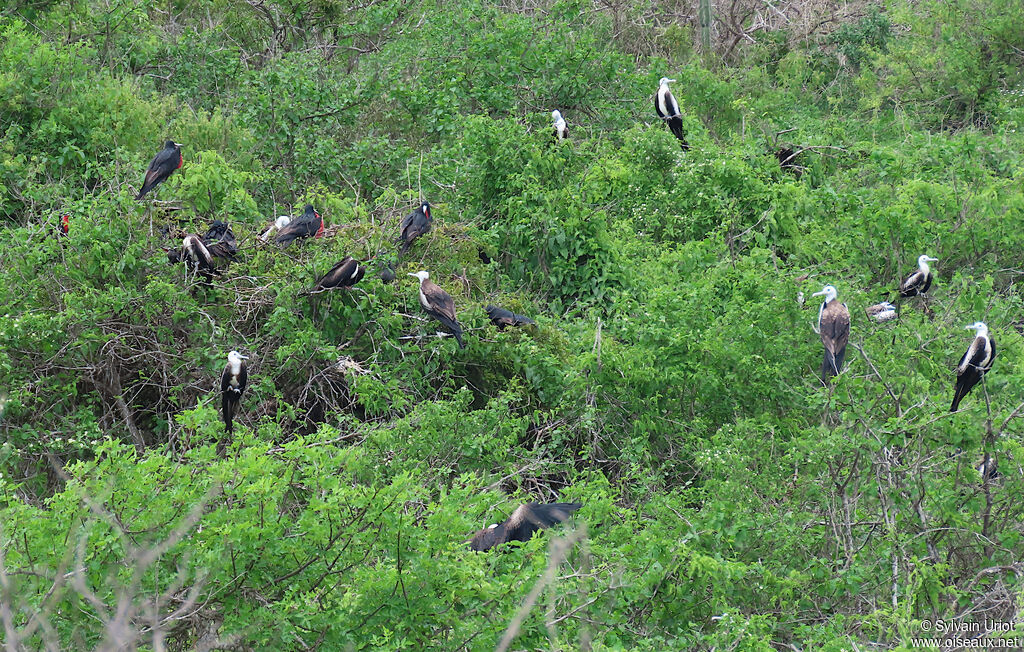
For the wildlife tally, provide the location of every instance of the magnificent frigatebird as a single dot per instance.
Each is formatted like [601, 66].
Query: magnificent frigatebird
[232, 384]
[834, 328]
[278, 224]
[220, 241]
[668, 110]
[561, 129]
[195, 253]
[345, 274]
[525, 520]
[306, 225]
[918, 282]
[414, 225]
[162, 166]
[65, 224]
[978, 360]
[501, 318]
[881, 312]
[439, 304]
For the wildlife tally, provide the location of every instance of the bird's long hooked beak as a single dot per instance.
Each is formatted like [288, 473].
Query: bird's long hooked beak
[244, 357]
[818, 294]
[411, 274]
[671, 81]
[932, 260]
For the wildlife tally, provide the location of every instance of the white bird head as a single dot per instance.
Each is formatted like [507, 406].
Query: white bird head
[979, 327]
[421, 275]
[828, 292]
[235, 357]
[556, 115]
[924, 259]
[887, 305]
[282, 221]
[665, 81]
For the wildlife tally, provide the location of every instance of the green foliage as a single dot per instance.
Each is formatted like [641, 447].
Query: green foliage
[729, 500]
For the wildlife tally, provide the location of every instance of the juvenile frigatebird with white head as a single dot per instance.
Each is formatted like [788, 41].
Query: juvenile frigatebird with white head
[439, 304]
[196, 254]
[975, 363]
[668, 110]
[278, 224]
[309, 224]
[561, 129]
[920, 281]
[232, 384]
[881, 312]
[834, 328]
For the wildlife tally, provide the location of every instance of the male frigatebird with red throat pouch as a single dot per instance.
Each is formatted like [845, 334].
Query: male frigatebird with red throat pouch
[308, 224]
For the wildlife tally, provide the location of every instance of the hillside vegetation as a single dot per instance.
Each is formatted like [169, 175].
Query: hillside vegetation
[670, 385]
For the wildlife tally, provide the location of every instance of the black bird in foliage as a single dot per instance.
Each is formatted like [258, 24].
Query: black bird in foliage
[920, 281]
[386, 273]
[414, 225]
[232, 384]
[309, 224]
[834, 329]
[439, 304]
[525, 520]
[978, 360]
[343, 275]
[668, 110]
[220, 241]
[502, 318]
[162, 166]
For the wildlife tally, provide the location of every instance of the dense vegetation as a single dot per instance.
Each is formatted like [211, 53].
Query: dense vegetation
[730, 500]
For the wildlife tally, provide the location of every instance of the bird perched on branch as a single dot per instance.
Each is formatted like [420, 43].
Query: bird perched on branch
[221, 242]
[439, 304]
[64, 225]
[834, 329]
[501, 318]
[196, 254]
[414, 225]
[232, 384]
[162, 166]
[306, 225]
[521, 525]
[668, 110]
[920, 281]
[344, 274]
[975, 363]
[561, 130]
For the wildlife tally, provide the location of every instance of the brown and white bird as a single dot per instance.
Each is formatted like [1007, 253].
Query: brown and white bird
[501, 318]
[232, 384]
[439, 304]
[920, 281]
[525, 520]
[345, 274]
[196, 254]
[309, 224]
[881, 312]
[414, 225]
[560, 128]
[278, 224]
[162, 166]
[975, 363]
[834, 328]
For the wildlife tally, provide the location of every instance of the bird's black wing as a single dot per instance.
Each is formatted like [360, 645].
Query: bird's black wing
[531, 517]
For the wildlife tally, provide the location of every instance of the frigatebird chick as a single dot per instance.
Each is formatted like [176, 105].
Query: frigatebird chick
[306, 225]
[196, 254]
[232, 384]
[920, 281]
[668, 110]
[345, 274]
[162, 166]
[975, 363]
[414, 225]
[881, 312]
[560, 128]
[525, 520]
[278, 224]
[988, 468]
[834, 329]
[439, 304]
[501, 318]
